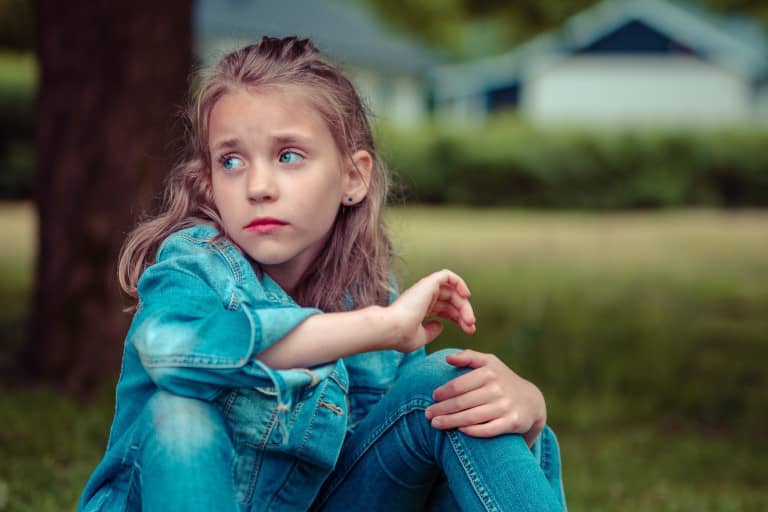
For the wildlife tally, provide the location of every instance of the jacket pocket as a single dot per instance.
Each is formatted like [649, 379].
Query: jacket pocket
[317, 433]
[276, 446]
[251, 415]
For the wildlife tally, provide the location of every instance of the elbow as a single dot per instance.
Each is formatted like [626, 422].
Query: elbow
[174, 380]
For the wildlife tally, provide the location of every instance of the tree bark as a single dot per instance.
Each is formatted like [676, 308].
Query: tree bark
[112, 76]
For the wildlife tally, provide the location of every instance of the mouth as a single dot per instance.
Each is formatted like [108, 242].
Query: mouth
[264, 225]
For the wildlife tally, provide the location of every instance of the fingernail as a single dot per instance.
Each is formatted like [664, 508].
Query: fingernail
[428, 414]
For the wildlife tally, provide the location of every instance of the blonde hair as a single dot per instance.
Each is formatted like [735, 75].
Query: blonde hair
[354, 266]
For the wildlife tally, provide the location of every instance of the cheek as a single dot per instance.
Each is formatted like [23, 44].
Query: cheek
[220, 197]
[324, 194]
[321, 208]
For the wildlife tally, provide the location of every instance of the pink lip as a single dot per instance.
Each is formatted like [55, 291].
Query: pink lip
[264, 225]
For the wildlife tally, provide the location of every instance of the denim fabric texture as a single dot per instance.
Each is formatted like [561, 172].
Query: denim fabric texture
[395, 460]
[195, 409]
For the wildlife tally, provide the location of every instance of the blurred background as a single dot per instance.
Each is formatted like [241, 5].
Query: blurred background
[597, 171]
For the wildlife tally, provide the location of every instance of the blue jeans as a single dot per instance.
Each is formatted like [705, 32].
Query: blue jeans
[395, 460]
[185, 458]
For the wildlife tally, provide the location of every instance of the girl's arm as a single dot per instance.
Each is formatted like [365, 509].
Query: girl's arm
[399, 326]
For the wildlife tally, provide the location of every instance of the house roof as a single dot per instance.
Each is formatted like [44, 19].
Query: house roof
[346, 32]
[736, 44]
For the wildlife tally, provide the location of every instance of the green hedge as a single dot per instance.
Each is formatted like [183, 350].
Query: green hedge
[509, 163]
[18, 76]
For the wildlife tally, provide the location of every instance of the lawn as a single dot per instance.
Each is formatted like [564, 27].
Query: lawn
[646, 331]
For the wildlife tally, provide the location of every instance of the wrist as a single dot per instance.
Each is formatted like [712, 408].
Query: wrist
[383, 322]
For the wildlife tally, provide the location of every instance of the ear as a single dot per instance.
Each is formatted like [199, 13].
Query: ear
[357, 176]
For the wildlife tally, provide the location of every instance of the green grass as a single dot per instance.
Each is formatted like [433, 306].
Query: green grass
[50, 444]
[667, 312]
[646, 331]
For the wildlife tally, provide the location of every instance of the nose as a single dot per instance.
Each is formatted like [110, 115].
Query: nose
[261, 185]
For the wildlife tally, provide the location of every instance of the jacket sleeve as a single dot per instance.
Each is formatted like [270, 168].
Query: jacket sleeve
[198, 330]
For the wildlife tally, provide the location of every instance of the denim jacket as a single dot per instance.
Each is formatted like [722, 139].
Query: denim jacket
[203, 316]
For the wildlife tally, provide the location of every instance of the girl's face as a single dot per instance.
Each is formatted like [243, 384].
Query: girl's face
[278, 179]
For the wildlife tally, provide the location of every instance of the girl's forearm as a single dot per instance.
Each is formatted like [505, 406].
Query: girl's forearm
[331, 336]
[404, 325]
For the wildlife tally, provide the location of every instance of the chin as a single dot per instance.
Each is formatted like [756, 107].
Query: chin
[269, 258]
[266, 255]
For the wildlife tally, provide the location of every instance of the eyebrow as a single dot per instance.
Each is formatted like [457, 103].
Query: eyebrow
[226, 144]
[280, 139]
[292, 138]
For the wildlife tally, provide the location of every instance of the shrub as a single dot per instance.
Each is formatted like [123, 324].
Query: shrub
[509, 163]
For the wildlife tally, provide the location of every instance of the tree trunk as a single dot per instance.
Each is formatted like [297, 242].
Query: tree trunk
[112, 76]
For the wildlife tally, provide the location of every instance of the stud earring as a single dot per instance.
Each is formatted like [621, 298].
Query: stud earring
[349, 199]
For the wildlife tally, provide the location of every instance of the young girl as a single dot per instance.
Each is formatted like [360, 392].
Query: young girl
[269, 365]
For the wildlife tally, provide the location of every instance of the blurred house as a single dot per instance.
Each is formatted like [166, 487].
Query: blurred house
[390, 71]
[628, 62]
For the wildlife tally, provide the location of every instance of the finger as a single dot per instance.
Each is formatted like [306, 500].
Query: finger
[455, 280]
[465, 307]
[432, 330]
[531, 435]
[491, 428]
[468, 316]
[452, 296]
[468, 328]
[450, 312]
[460, 303]
[460, 385]
[469, 358]
[474, 416]
[446, 276]
[468, 400]
[445, 310]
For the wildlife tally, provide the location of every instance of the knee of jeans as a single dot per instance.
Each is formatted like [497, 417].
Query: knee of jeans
[549, 443]
[184, 427]
[431, 373]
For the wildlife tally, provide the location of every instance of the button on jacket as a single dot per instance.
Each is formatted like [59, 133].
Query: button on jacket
[203, 316]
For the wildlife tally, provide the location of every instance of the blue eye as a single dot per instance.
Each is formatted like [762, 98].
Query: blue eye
[290, 157]
[231, 163]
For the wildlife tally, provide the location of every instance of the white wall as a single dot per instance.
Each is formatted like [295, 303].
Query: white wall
[636, 90]
[398, 99]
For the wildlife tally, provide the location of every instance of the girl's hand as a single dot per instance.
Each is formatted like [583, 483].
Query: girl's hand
[488, 401]
[442, 294]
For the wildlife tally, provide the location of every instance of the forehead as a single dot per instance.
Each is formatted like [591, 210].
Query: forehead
[246, 113]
